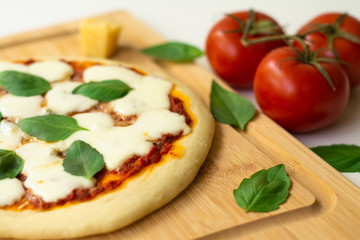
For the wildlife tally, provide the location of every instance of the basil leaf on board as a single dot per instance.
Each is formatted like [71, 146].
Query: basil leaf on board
[83, 160]
[174, 51]
[23, 84]
[50, 128]
[104, 91]
[344, 158]
[10, 164]
[264, 191]
[228, 107]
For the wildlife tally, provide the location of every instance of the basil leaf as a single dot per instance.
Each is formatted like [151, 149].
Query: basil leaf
[10, 164]
[0, 116]
[228, 107]
[23, 84]
[174, 51]
[83, 160]
[344, 158]
[104, 91]
[264, 191]
[50, 128]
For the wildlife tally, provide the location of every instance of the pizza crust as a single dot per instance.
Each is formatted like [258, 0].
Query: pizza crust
[151, 189]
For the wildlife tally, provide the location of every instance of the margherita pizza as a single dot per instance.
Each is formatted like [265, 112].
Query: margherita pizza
[90, 146]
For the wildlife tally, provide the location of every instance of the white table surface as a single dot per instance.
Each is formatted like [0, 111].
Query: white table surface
[189, 21]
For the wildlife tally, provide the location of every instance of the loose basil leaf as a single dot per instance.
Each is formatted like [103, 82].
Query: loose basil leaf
[174, 51]
[264, 191]
[228, 107]
[344, 158]
[10, 164]
[23, 84]
[0, 116]
[50, 128]
[83, 160]
[104, 91]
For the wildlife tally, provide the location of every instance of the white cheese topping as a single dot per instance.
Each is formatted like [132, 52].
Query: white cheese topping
[100, 73]
[117, 143]
[52, 183]
[20, 107]
[10, 135]
[150, 94]
[4, 66]
[51, 70]
[60, 100]
[36, 154]
[157, 123]
[11, 191]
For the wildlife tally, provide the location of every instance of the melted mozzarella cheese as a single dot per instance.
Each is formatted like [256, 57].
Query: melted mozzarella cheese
[52, 183]
[100, 73]
[157, 123]
[10, 135]
[20, 107]
[6, 66]
[60, 99]
[151, 93]
[121, 143]
[51, 70]
[36, 154]
[140, 101]
[11, 191]
[117, 143]
[97, 123]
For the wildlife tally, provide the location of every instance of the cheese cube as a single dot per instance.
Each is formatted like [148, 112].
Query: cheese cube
[98, 37]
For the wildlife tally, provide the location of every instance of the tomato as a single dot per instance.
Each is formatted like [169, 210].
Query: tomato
[348, 51]
[234, 62]
[296, 95]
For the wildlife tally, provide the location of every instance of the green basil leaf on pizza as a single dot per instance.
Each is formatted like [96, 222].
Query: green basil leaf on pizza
[50, 128]
[83, 160]
[10, 164]
[104, 91]
[23, 84]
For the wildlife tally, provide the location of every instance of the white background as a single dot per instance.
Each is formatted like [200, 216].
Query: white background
[189, 21]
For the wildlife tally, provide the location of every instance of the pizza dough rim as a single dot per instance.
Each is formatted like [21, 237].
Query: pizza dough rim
[141, 196]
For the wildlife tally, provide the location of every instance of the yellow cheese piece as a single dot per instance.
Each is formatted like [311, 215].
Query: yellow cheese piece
[98, 37]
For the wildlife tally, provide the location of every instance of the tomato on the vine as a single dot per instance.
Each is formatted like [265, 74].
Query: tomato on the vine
[295, 94]
[341, 34]
[226, 48]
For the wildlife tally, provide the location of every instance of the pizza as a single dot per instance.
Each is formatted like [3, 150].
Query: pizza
[88, 146]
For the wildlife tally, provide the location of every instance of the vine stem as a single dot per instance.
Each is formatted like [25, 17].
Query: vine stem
[306, 54]
[249, 22]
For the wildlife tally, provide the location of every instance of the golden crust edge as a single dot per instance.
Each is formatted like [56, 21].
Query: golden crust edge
[140, 197]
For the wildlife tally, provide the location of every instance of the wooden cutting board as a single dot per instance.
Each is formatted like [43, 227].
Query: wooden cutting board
[322, 203]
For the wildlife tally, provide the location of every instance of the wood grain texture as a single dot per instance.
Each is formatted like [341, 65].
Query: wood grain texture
[322, 205]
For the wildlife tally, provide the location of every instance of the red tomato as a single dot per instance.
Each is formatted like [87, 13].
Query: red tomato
[346, 50]
[230, 59]
[296, 95]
